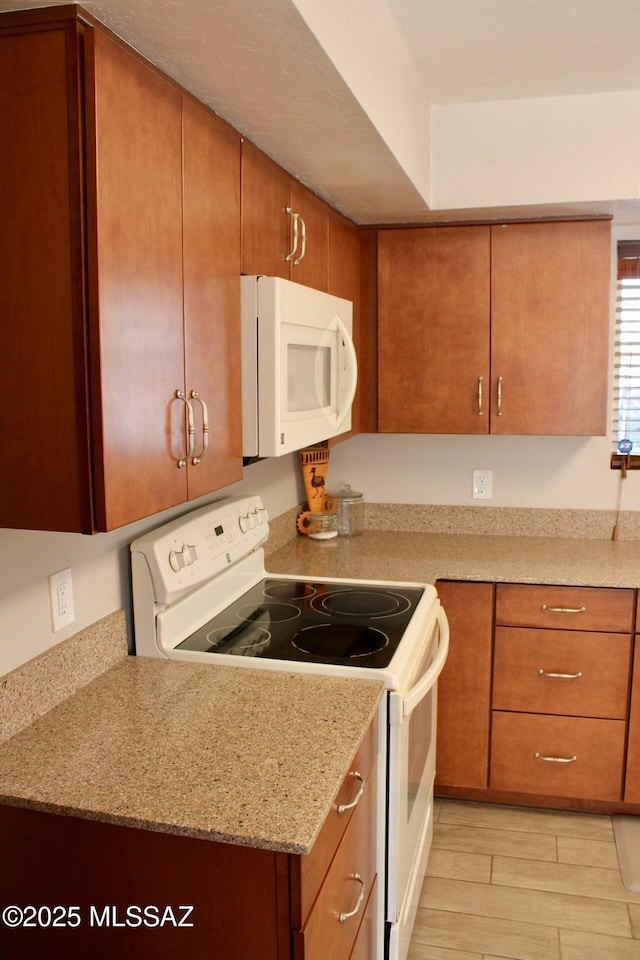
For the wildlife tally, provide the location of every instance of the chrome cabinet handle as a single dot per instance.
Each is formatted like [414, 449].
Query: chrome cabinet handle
[559, 676]
[358, 797]
[303, 241]
[191, 429]
[543, 606]
[205, 428]
[480, 380]
[499, 396]
[538, 756]
[359, 901]
[296, 217]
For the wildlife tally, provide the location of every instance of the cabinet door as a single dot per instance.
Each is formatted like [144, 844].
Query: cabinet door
[632, 783]
[311, 265]
[464, 687]
[266, 225]
[550, 327]
[211, 250]
[45, 453]
[433, 330]
[344, 281]
[134, 156]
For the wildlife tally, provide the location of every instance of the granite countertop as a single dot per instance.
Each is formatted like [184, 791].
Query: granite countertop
[427, 557]
[246, 756]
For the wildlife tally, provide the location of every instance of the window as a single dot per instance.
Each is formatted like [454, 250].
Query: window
[626, 381]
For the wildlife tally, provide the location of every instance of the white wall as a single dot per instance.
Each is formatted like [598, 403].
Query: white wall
[545, 150]
[99, 565]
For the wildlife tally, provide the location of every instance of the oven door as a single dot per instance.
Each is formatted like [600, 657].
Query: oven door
[412, 747]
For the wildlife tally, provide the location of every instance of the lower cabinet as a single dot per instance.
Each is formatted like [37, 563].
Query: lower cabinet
[137, 893]
[538, 706]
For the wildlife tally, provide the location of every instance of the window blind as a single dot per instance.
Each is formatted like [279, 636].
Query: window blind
[626, 379]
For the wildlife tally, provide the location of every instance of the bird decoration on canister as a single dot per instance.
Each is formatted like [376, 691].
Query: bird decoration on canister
[314, 462]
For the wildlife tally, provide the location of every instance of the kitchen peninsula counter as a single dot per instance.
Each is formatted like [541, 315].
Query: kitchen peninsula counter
[245, 756]
[427, 557]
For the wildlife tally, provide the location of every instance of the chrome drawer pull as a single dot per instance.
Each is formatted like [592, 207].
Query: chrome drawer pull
[538, 756]
[295, 216]
[358, 797]
[359, 901]
[559, 676]
[480, 380]
[563, 609]
[499, 396]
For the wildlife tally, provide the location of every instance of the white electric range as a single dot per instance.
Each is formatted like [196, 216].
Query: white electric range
[201, 593]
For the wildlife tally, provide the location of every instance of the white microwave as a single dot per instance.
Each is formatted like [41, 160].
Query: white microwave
[299, 368]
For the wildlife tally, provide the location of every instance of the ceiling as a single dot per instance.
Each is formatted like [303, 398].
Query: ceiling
[257, 63]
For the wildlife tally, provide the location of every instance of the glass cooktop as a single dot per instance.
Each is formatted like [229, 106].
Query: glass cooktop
[299, 620]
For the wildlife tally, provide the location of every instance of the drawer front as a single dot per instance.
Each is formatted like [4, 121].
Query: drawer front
[583, 674]
[565, 608]
[309, 871]
[595, 774]
[365, 946]
[324, 935]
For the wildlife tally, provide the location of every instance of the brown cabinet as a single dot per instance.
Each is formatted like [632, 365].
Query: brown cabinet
[464, 687]
[632, 781]
[560, 696]
[497, 329]
[246, 902]
[119, 283]
[285, 227]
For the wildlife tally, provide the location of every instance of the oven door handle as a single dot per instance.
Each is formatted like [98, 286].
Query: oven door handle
[427, 680]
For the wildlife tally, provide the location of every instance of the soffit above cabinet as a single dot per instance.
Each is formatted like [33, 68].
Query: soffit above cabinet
[265, 69]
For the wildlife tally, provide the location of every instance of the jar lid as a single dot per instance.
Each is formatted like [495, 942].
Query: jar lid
[346, 493]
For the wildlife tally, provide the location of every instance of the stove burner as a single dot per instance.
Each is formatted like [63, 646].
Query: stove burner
[361, 603]
[268, 612]
[290, 590]
[243, 638]
[344, 641]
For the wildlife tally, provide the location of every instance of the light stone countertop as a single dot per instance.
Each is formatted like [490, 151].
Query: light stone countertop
[427, 557]
[252, 757]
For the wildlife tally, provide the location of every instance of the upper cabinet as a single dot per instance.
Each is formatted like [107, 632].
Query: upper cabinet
[122, 240]
[285, 227]
[499, 329]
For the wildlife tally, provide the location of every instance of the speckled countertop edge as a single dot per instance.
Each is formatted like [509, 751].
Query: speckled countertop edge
[245, 756]
[428, 557]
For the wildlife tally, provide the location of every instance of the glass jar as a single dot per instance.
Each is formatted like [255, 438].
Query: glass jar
[349, 507]
[322, 526]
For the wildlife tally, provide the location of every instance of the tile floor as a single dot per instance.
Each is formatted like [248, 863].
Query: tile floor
[506, 882]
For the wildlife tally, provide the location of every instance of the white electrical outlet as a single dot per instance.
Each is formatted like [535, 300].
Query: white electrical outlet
[61, 599]
[483, 484]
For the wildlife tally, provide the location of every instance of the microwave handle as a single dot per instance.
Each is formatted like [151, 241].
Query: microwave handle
[428, 679]
[352, 371]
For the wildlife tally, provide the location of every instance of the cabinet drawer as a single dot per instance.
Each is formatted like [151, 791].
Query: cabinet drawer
[593, 668]
[365, 946]
[597, 745]
[565, 608]
[309, 871]
[323, 934]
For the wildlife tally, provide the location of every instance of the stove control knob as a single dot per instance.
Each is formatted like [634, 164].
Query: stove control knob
[182, 558]
[244, 524]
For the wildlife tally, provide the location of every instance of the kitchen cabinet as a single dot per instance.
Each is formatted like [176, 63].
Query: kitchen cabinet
[285, 227]
[560, 696]
[344, 281]
[246, 902]
[499, 329]
[536, 701]
[117, 280]
[632, 781]
[464, 687]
